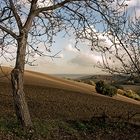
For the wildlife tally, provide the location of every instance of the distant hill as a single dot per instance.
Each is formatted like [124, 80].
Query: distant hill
[107, 78]
[71, 76]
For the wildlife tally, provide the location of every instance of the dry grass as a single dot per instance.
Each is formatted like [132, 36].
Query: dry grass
[44, 80]
[58, 98]
[51, 98]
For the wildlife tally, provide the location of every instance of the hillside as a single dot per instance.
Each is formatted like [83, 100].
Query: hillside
[41, 80]
[59, 99]
[45, 80]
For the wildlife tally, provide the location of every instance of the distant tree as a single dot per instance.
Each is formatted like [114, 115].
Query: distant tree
[25, 24]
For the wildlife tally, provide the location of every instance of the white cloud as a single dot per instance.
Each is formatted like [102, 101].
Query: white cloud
[138, 12]
[133, 3]
[45, 3]
[70, 48]
[133, 7]
[86, 59]
[82, 57]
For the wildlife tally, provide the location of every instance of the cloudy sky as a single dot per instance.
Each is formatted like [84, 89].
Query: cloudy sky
[71, 60]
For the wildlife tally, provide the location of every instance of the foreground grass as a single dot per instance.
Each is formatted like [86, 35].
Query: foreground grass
[93, 129]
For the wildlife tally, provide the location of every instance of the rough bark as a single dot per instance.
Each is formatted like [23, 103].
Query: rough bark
[17, 80]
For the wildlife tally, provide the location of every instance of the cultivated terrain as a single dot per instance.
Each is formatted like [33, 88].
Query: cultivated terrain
[66, 109]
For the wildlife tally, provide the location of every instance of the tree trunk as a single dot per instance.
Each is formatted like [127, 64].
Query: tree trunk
[17, 80]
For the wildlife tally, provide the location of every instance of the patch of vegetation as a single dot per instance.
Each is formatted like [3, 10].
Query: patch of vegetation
[132, 94]
[105, 89]
[12, 129]
[104, 129]
[129, 93]
[69, 130]
[42, 129]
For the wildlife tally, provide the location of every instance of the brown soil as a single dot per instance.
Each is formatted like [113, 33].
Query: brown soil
[55, 98]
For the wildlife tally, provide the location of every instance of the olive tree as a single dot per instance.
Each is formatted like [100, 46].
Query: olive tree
[24, 24]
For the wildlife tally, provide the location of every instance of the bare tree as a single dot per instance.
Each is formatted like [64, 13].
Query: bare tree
[25, 24]
[122, 54]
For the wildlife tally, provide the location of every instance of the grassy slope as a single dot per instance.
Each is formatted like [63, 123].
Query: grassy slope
[51, 98]
[56, 97]
[44, 80]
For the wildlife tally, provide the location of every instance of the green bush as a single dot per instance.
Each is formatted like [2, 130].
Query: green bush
[99, 86]
[105, 89]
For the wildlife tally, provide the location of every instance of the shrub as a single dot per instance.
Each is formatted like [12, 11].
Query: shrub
[99, 86]
[129, 93]
[105, 89]
[132, 94]
[120, 91]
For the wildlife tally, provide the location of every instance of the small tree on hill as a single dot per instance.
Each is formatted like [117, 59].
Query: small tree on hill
[24, 24]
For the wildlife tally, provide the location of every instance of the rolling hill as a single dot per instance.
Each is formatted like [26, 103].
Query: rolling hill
[74, 90]
[60, 99]
[45, 80]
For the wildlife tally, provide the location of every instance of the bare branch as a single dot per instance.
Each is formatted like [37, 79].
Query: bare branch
[56, 6]
[17, 17]
[9, 32]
